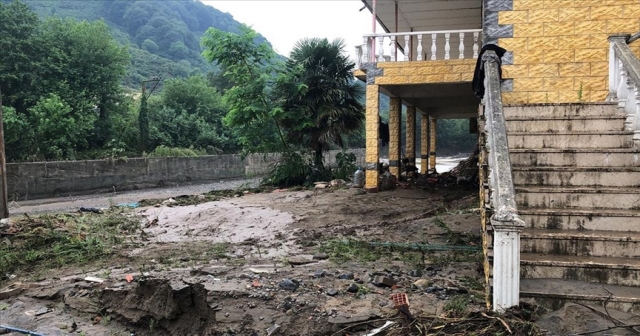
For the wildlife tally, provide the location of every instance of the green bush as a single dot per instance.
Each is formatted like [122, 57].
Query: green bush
[163, 151]
[346, 166]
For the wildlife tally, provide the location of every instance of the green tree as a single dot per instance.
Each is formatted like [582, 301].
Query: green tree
[329, 107]
[57, 133]
[188, 113]
[255, 112]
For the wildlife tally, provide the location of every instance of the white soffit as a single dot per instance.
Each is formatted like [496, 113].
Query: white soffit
[429, 15]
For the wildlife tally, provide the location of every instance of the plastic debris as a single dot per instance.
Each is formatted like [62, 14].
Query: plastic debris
[93, 210]
[94, 279]
[129, 278]
[386, 326]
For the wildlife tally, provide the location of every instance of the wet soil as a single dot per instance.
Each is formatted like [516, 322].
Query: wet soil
[298, 262]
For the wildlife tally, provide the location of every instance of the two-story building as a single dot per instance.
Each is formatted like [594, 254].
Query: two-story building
[560, 179]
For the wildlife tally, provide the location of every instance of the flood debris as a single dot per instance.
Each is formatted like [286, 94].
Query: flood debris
[176, 307]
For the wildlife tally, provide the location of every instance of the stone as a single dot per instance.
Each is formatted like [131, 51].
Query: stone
[384, 281]
[7, 293]
[320, 186]
[336, 183]
[296, 261]
[422, 284]
[353, 288]
[320, 256]
[288, 284]
[383, 303]
[347, 276]
[319, 274]
[415, 273]
[273, 330]
[332, 292]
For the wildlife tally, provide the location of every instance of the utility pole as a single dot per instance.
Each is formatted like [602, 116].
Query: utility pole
[4, 208]
[143, 116]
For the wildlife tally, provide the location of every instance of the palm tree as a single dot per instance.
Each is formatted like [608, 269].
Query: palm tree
[330, 104]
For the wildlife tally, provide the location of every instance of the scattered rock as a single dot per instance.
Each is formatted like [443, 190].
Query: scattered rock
[422, 284]
[320, 256]
[336, 183]
[296, 261]
[7, 293]
[384, 281]
[288, 284]
[169, 201]
[319, 274]
[347, 276]
[383, 303]
[353, 288]
[415, 273]
[332, 292]
[321, 186]
[273, 330]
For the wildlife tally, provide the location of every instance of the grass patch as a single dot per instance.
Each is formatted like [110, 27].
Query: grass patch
[164, 151]
[350, 249]
[64, 239]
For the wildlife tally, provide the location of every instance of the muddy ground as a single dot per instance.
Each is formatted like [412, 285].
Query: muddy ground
[271, 263]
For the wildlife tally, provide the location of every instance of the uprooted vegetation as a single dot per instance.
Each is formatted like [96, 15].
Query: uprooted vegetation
[52, 241]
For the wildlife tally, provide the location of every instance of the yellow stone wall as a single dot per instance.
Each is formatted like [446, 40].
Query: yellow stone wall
[421, 72]
[560, 48]
[424, 143]
[410, 150]
[432, 144]
[372, 125]
[395, 109]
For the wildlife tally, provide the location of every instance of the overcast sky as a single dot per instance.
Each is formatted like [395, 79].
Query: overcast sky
[284, 22]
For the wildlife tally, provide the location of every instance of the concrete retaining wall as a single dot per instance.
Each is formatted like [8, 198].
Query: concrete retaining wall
[67, 178]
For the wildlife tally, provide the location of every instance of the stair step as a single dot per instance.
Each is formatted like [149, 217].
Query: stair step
[580, 157]
[553, 293]
[577, 176]
[570, 140]
[581, 243]
[572, 197]
[566, 124]
[609, 270]
[581, 219]
[560, 110]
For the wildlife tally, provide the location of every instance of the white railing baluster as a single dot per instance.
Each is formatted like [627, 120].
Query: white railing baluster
[407, 52]
[475, 44]
[447, 47]
[636, 119]
[393, 49]
[359, 57]
[622, 92]
[365, 50]
[613, 72]
[434, 49]
[374, 44]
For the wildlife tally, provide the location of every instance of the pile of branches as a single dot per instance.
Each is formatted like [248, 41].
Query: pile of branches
[515, 321]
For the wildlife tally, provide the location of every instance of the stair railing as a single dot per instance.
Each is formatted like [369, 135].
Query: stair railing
[624, 81]
[505, 221]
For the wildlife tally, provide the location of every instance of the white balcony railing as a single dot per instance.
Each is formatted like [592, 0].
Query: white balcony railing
[419, 46]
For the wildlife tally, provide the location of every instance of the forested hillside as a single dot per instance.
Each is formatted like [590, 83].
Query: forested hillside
[163, 37]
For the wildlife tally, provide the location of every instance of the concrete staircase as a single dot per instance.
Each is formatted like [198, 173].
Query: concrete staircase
[577, 179]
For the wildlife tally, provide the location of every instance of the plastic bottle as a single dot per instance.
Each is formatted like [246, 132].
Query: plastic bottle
[358, 178]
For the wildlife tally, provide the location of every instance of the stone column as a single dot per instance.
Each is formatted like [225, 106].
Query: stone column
[395, 115]
[506, 260]
[424, 143]
[410, 142]
[432, 144]
[372, 124]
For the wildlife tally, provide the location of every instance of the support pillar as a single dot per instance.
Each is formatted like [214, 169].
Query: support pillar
[372, 129]
[410, 142]
[395, 115]
[424, 143]
[506, 265]
[432, 144]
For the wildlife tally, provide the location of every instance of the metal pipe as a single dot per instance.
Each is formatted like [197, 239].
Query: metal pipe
[21, 330]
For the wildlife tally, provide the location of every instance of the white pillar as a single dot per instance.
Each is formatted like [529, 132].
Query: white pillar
[506, 260]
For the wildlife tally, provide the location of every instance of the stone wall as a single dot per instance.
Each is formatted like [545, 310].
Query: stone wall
[69, 178]
[560, 48]
[423, 72]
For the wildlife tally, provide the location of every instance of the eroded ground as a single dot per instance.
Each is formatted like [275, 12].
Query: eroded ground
[271, 263]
